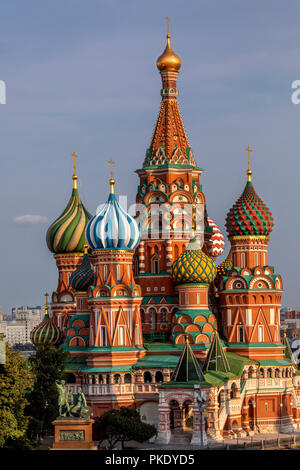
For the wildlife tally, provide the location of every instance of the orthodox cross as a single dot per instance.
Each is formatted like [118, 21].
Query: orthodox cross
[46, 306]
[74, 155]
[111, 162]
[249, 171]
[168, 23]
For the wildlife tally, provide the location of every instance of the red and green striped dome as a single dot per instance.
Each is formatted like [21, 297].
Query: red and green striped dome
[249, 215]
[46, 333]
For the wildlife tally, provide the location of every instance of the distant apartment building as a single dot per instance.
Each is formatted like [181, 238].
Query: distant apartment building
[18, 327]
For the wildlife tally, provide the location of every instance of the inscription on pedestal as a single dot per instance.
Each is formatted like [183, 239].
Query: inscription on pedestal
[71, 436]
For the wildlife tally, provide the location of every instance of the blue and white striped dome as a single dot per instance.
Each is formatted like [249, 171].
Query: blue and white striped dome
[112, 228]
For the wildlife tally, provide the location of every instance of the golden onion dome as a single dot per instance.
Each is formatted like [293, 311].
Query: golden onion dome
[168, 60]
[193, 266]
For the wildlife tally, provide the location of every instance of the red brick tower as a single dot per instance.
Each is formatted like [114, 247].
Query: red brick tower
[169, 188]
[250, 291]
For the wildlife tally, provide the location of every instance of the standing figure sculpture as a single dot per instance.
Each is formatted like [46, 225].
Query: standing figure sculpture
[63, 403]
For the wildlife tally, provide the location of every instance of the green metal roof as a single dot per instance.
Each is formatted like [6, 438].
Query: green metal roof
[275, 363]
[157, 360]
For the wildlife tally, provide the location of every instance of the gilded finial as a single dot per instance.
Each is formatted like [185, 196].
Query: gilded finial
[168, 23]
[74, 177]
[46, 304]
[111, 181]
[187, 341]
[284, 329]
[168, 60]
[85, 248]
[249, 171]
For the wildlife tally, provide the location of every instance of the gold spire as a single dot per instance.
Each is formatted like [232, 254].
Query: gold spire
[284, 329]
[168, 60]
[46, 305]
[85, 248]
[111, 181]
[249, 171]
[74, 177]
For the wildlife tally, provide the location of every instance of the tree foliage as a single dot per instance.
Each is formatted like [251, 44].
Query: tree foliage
[123, 425]
[15, 382]
[47, 365]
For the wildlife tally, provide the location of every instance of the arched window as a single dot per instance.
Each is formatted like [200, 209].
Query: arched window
[277, 373]
[127, 378]
[242, 260]
[135, 266]
[159, 378]
[100, 379]
[233, 391]
[117, 379]
[155, 264]
[147, 377]
[152, 319]
[269, 373]
[261, 373]
[250, 372]
[164, 315]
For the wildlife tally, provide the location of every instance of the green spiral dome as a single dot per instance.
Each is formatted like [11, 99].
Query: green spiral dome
[193, 266]
[67, 233]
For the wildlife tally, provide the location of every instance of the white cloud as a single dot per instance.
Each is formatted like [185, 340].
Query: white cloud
[31, 219]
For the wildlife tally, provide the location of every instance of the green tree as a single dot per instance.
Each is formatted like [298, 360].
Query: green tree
[15, 382]
[123, 425]
[47, 365]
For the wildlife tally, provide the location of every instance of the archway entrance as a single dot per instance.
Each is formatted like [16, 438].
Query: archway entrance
[175, 413]
[187, 411]
[251, 414]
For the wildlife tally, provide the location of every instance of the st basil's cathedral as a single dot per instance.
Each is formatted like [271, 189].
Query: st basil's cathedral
[148, 316]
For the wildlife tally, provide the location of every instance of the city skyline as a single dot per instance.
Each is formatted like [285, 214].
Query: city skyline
[65, 93]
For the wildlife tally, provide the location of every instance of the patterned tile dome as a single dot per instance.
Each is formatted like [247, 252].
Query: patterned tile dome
[249, 215]
[225, 266]
[216, 243]
[67, 233]
[193, 266]
[83, 277]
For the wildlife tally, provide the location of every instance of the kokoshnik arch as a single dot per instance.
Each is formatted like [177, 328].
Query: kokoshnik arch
[146, 318]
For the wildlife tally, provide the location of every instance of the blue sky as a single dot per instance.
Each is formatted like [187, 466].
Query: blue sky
[81, 76]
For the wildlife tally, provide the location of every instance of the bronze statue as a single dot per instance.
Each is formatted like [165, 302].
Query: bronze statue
[71, 405]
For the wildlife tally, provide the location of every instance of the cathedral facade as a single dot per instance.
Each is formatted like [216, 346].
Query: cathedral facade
[151, 320]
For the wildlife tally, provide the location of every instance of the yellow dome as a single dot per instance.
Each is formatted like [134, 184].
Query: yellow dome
[193, 266]
[168, 60]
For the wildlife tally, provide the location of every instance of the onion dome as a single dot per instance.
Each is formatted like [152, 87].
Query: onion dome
[216, 243]
[46, 333]
[225, 266]
[193, 266]
[168, 60]
[84, 276]
[67, 233]
[112, 228]
[249, 215]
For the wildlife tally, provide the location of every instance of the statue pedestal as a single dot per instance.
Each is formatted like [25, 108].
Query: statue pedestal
[73, 434]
